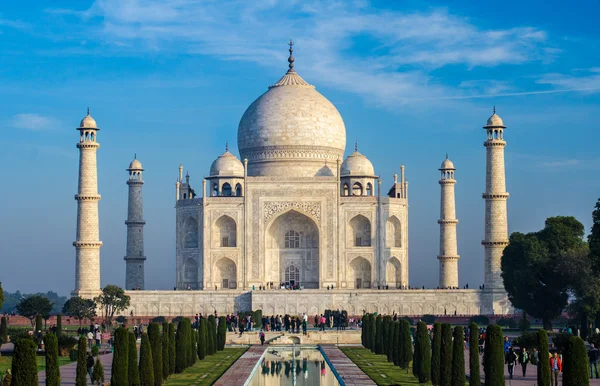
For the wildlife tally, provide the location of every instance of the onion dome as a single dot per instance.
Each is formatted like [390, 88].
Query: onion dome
[135, 164]
[227, 165]
[357, 165]
[494, 121]
[88, 122]
[447, 164]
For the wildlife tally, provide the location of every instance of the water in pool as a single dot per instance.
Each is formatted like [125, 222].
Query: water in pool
[293, 366]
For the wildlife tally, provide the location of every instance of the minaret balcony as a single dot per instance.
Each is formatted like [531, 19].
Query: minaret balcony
[87, 244]
[88, 197]
[494, 143]
[495, 196]
[495, 243]
[446, 257]
[88, 145]
[448, 221]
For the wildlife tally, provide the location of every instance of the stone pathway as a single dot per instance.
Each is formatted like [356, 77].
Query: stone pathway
[69, 372]
[240, 371]
[344, 367]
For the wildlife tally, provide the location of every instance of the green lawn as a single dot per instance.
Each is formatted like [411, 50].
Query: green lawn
[207, 371]
[5, 363]
[378, 368]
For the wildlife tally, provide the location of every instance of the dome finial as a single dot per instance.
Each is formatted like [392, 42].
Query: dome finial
[226, 145]
[88, 111]
[356, 146]
[291, 58]
[494, 109]
[134, 155]
[446, 155]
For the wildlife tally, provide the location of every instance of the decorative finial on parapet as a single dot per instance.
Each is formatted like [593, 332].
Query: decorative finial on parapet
[291, 58]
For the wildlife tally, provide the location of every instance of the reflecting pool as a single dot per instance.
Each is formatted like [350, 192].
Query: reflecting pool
[293, 366]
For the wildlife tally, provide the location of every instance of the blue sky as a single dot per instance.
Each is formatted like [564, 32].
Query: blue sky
[169, 80]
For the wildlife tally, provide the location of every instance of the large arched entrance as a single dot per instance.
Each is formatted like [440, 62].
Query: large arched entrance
[292, 251]
[360, 273]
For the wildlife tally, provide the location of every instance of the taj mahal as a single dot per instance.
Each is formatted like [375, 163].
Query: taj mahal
[292, 213]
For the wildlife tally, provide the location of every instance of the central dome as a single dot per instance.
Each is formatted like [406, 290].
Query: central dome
[291, 130]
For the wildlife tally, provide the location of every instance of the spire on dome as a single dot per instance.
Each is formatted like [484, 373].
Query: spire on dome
[356, 146]
[291, 58]
[446, 155]
[226, 146]
[134, 155]
[88, 111]
[494, 109]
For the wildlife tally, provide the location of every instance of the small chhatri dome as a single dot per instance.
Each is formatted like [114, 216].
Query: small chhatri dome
[447, 164]
[135, 164]
[88, 122]
[357, 165]
[227, 165]
[494, 121]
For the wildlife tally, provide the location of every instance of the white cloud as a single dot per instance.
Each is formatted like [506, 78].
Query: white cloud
[35, 122]
[580, 79]
[560, 163]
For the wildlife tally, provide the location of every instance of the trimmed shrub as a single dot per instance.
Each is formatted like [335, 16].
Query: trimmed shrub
[133, 372]
[66, 344]
[409, 320]
[543, 366]
[458, 358]
[120, 364]
[561, 340]
[493, 356]
[39, 323]
[156, 349]
[182, 344]
[474, 365]
[95, 351]
[58, 325]
[159, 320]
[98, 373]
[422, 361]
[575, 363]
[406, 346]
[429, 319]
[436, 353]
[221, 333]
[524, 323]
[480, 320]
[3, 331]
[81, 373]
[257, 318]
[446, 355]
[211, 335]
[396, 343]
[146, 362]
[165, 350]
[202, 343]
[527, 340]
[507, 322]
[52, 370]
[24, 364]
[379, 335]
[172, 349]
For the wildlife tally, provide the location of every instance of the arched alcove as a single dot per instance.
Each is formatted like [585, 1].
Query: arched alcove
[190, 233]
[190, 274]
[226, 190]
[393, 233]
[224, 233]
[360, 273]
[358, 232]
[393, 272]
[357, 189]
[226, 273]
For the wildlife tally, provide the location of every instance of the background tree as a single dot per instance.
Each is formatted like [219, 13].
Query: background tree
[474, 371]
[1, 295]
[172, 350]
[446, 355]
[575, 363]
[378, 335]
[80, 308]
[98, 372]
[146, 369]
[222, 333]
[3, 330]
[38, 323]
[458, 357]
[156, 348]
[436, 354]
[32, 306]
[493, 356]
[81, 372]
[543, 366]
[165, 349]
[423, 353]
[24, 365]
[406, 347]
[112, 300]
[52, 370]
[133, 373]
[120, 362]
[59, 331]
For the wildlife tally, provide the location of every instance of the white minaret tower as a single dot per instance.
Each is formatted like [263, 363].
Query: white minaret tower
[496, 226]
[87, 246]
[134, 274]
[448, 256]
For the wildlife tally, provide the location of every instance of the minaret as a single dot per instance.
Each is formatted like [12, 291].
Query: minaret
[87, 245]
[496, 228]
[448, 256]
[134, 260]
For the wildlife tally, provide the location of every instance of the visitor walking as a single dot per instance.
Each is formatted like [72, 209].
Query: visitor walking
[510, 359]
[261, 335]
[555, 368]
[523, 360]
[90, 366]
[322, 323]
[593, 356]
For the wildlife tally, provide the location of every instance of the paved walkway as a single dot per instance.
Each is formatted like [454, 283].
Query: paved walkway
[346, 369]
[240, 371]
[69, 372]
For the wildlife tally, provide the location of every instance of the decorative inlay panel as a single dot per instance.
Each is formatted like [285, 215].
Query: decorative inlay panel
[312, 208]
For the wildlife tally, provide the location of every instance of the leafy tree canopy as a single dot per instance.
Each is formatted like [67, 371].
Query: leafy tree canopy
[1, 295]
[11, 299]
[80, 308]
[112, 300]
[34, 305]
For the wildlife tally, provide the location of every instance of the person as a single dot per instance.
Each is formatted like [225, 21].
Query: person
[555, 368]
[510, 358]
[98, 337]
[322, 323]
[524, 359]
[506, 344]
[535, 356]
[90, 339]
[241, 328]
[90, 366]
[593, 356]
[262, 337]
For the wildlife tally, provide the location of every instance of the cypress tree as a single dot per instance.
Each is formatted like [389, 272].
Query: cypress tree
[38, 323]
[211, 335]
[575, 363]
[396, 344]
[165, 351]
[390, 339]
[493, 356]
[446, 355]
[181, 347]
[543, 366]
[423, 353]
[172, 349]
[133, 372]
[156, 349]
[120, 364]
[24, 364]
[365, 328]
[406, 347]
[384, 332]
[146, 362]
[98, 372]
[372, 333]
[58, 325]
[81, 374]
[436, 353]
[3, 330]
[222, 333]
[202, 339]
[52, 370]
[193, 346]
[379, 335]
[474, 372]
[362, 332]
[458, 358]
